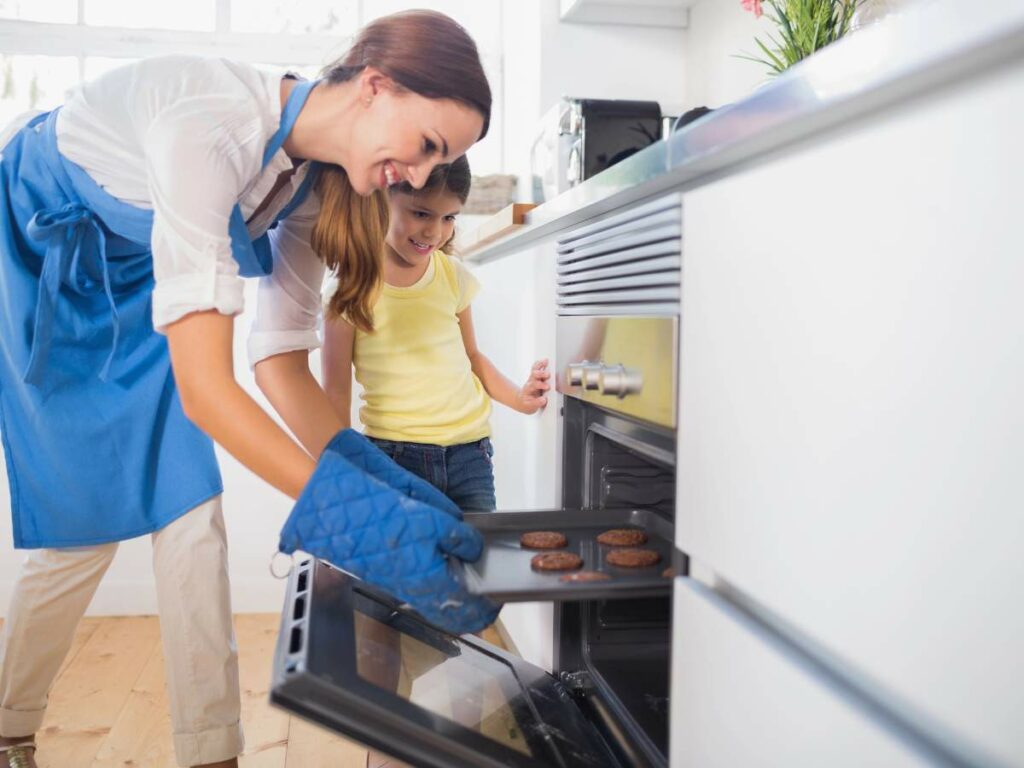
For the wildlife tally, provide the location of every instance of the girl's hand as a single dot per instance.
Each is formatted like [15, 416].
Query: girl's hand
[531, 397]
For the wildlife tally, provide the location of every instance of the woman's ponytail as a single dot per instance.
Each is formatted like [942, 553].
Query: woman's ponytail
[349, 237]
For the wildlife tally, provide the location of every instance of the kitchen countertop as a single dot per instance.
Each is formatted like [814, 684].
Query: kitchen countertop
[907, 56]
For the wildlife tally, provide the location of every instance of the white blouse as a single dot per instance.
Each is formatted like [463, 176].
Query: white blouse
[185, 137]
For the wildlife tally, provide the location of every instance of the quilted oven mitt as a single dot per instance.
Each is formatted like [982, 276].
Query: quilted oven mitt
[362, 525]
[361, 451]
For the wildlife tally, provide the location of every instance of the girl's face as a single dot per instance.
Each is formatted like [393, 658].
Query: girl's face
[401, 136]
[420, 224]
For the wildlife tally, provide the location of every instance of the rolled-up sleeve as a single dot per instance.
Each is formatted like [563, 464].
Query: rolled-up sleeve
[199, 152]
[288, 310]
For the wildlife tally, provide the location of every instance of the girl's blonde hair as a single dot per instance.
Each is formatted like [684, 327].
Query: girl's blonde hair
[429, 54]
[349, 236]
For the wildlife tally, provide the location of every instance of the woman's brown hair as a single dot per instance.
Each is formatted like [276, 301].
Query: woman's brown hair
[429, 54]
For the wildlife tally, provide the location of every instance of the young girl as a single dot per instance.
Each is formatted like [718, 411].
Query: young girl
[427, 387]
[127, 219]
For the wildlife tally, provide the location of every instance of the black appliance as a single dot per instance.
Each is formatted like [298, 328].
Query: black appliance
[579, 138]
[608, 131]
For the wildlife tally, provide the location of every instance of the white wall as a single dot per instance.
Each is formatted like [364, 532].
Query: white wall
[546, 59]
[521, 70]
[719, 31]
[610, 61]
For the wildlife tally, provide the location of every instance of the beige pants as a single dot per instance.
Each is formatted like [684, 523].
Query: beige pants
[191, 568]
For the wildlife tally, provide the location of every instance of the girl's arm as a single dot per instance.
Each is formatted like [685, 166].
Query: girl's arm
[336, 367]
[529, 398]
[201, 356]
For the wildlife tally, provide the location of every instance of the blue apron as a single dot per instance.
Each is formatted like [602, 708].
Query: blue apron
[98, 448]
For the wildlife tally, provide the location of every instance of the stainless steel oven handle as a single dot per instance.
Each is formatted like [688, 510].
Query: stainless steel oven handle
[574, 373]
[619, 381]
[584, 374]
[592, 376]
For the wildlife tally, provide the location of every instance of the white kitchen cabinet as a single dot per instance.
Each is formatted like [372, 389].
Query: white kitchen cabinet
[646, 13]
[739, 699]
[514, 318]
[851, 418]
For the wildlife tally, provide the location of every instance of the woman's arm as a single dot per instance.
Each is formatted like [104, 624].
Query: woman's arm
[336, 366]
[288, 313]
[295, 394]
[201, 356]
[529, 398]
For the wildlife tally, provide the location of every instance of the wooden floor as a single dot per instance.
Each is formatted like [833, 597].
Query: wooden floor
[108, 707]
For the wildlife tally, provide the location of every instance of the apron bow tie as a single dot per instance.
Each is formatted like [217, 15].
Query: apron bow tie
[64, 229]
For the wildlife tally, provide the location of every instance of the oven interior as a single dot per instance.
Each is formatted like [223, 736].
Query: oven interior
[614, 655]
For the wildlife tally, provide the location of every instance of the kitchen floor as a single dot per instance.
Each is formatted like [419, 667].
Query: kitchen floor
[108, 707]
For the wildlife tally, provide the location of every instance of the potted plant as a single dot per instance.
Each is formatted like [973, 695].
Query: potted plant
[803, 27]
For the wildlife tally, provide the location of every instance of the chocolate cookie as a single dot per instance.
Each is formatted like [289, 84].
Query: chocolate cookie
[633, 558]
[583, 576]
[622, 537]
[556, 561]
[543, 540]
[669, 573]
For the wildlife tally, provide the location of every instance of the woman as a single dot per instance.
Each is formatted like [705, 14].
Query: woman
[127, 219]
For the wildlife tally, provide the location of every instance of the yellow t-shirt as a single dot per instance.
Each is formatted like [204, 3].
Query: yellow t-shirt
[418, 385]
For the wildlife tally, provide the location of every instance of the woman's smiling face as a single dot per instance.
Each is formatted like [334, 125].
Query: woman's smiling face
[420, 224]
[400, 135]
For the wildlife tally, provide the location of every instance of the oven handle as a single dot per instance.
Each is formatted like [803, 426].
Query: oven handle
[617, 380]
[582, 689]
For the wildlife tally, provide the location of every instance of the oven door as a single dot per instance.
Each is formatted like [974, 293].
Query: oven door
[348, 660]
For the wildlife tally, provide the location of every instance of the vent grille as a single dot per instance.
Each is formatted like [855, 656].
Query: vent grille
[629, 263]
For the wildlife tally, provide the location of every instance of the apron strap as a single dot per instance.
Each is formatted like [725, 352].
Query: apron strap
[296, 101]
[64, 229]
[254, 257]
[302, 192]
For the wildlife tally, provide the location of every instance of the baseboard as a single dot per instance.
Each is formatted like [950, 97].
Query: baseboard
[138, 598]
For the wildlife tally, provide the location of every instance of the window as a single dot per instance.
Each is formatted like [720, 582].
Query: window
[50, 46]
[53, 11]
[199, 15]
[34, 82]
[290, 17]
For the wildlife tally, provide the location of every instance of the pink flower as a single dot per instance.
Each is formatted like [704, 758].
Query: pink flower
[754, 6]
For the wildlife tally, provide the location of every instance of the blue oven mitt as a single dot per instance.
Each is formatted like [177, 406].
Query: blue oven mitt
[362, 525]
[368, 457]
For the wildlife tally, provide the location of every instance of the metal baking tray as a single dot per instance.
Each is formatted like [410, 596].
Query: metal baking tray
[503, 572]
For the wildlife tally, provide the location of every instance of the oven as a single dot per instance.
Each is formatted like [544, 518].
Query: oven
[351, 660]
[613, 652]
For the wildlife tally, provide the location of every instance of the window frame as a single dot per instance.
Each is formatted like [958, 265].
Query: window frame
[82, 41]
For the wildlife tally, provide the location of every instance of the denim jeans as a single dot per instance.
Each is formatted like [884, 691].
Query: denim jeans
[464, 473]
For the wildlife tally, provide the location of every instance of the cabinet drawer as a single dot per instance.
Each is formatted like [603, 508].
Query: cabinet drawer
[737, 700]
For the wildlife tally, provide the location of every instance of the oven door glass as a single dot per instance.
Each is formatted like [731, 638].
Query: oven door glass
[348, 660]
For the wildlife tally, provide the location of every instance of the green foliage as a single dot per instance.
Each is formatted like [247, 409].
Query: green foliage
[7, 90]
[35, 93]
[804, 26]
